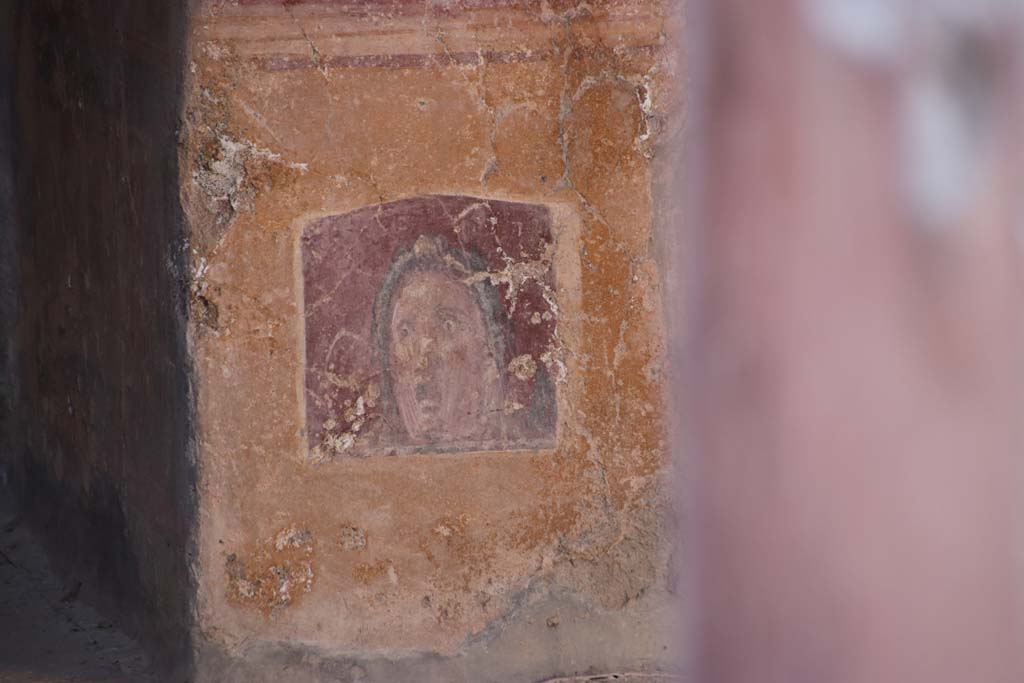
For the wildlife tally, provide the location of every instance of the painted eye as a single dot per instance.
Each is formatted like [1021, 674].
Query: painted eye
[449, 321]
[403, 332]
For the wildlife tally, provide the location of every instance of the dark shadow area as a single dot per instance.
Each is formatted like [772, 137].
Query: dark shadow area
[95, 400]
[50, 635]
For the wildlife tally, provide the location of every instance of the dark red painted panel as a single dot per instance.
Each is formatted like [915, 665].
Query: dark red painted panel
[427, 325]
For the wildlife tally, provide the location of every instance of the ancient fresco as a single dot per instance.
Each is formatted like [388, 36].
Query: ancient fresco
[429, 328]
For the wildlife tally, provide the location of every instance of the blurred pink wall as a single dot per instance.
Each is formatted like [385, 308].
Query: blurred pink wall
[855, 374]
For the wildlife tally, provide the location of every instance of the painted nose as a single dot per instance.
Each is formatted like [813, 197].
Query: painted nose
[424, 353]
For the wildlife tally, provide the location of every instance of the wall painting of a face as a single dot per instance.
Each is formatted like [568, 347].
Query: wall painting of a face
[430, 328]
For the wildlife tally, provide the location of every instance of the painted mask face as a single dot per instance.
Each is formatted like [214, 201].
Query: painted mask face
[443, 375]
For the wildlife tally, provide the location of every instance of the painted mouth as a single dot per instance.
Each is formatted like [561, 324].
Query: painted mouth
[428, 406]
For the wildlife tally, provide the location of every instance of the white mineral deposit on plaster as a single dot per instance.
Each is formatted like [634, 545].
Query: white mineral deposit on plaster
[516, 274]
[555, 366]
[513, 406]
[246, 588]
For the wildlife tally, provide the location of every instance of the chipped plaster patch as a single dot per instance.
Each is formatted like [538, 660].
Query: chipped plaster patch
[274, 574]
[355, 415]
[352, 538]
[294, 538]
[222, 176]
[230, 173]
[523, 367]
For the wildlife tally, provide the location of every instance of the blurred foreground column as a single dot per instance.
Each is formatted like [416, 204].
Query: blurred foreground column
[857, 365]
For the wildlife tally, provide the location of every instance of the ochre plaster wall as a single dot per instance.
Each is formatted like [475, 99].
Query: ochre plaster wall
[297, 111]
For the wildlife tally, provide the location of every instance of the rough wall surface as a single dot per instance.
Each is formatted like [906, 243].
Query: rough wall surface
[104, 414]
[362, 561]
[8, 238]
